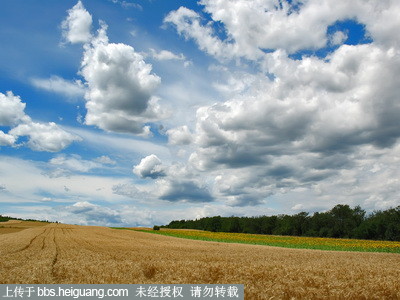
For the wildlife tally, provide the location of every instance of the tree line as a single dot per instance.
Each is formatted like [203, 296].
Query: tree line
[7, 218]
[342, 221]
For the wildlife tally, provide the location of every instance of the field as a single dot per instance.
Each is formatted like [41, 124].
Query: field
[285, 241]
[57, 253]
[17, 225]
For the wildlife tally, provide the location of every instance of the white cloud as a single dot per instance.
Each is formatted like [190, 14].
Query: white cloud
[174, 183]
[179, 136]
[67, 165]
[151, 167]
[306, 133]
[381, 20]
[74, 163]
[38, 185]
[129, 190]
[47, 199]
[338, 38]
[56, 84]
[255, 25]
[120, 145]
[44, 137]
[11, 109]
[76, 27]
[90, 213]
[188, 24]
[289, 131]
[166, 55]
[252, 26]
[298, 207]
[127, 4]
[105, 160]
[120, 87]
[183, 190]
[6, 139]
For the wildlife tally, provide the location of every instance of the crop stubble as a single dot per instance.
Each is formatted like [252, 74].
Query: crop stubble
[58, 253]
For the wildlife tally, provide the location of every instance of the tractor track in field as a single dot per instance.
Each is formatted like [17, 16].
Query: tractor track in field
[55, 259]
[29, 245]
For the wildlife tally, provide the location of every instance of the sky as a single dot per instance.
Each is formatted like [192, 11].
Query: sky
[136, 113]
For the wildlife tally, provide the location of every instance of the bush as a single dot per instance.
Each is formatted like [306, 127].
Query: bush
[155, 227]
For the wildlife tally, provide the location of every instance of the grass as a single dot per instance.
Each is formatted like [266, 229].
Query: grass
[284, 241]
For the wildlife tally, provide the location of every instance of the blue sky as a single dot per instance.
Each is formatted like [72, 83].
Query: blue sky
[135, 113]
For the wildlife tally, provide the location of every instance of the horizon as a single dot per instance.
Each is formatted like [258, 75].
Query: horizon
[135, 113]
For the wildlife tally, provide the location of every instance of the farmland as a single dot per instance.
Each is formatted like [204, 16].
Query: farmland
[58, 253]
[286, 241]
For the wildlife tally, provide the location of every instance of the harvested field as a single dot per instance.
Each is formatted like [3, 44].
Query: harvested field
[57, 253]
[12, 226]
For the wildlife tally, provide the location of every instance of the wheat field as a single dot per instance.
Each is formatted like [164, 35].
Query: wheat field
[58, 253]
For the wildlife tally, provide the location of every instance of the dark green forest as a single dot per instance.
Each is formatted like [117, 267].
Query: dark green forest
[342, 221]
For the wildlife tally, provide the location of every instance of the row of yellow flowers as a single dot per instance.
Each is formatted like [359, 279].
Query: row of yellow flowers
[288, 241]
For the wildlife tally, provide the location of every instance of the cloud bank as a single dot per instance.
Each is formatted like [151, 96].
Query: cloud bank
[303, 120]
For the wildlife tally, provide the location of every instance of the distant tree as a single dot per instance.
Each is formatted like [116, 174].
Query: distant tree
[341, 221]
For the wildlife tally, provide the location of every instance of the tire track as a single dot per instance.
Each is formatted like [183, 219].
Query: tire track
[57, 253]
[55, 259]
[31, 242]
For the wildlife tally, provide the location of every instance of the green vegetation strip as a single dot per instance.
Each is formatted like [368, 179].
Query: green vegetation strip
[283, 241]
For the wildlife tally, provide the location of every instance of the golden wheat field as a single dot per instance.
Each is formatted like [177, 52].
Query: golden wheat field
[58, 253]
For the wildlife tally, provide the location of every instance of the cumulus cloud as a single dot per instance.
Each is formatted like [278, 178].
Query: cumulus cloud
[76, 27]
[120, 87]
[290, 130]
[6, 139]
[184, 190]
[56, 84]
[44, 137]
[128, 190]
[11, 109]
[90, 213]
[41, 136]
[313, 105]
[150, 167]
[173, 183]
[179, 136]
[188, 24]
[338, 38]
[251, 27]
[298, 123]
